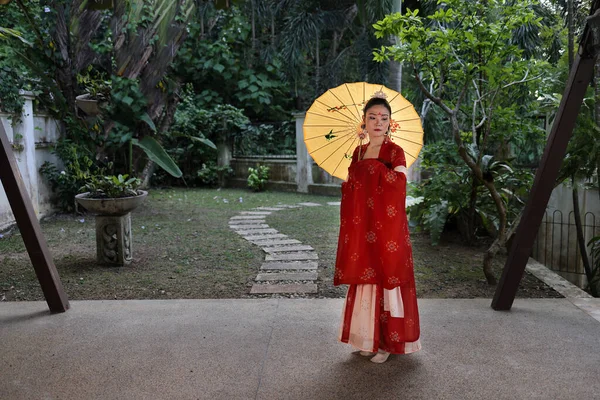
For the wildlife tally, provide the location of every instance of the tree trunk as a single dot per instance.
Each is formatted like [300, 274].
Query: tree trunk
[471, 213]
[488, 258]
[581, 239]
[571, 32]
[500, 240]
[147, 174]
[396, 67]
[596, 82]
[253, 31]
[318, 69]
[273, 29]
[224, 153]
[496, 246]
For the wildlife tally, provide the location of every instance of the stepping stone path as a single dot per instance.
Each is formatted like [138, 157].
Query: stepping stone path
[290, 267]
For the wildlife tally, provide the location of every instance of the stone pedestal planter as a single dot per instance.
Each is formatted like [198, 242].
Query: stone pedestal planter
[90, 106]
[113, 226]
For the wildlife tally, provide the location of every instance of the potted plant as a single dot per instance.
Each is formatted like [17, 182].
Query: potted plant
[111, 195]
[96, 96]
[112, 198]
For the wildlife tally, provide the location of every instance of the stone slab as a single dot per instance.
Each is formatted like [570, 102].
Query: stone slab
[245, 217]
[283, 249]
[287, 206]
[291, 276]
[246, 232]
[309, 204]
[555, 281]
[292, 256]
[288, 288]
[246, 222]
[255, 237]
[255, 213]
[275, 242]
[249, 226]
[288, 265]
[268, 208]
[589, 305]
[334, 203]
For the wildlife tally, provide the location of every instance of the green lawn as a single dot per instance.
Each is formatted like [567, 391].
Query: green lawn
[183, 248]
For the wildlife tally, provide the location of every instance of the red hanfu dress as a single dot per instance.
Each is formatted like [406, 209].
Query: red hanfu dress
[374, 256]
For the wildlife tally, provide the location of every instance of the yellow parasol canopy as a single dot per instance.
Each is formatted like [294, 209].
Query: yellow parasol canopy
[333, 121]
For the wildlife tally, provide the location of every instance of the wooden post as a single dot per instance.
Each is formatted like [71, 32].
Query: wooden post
[29, 227]
[579, 80]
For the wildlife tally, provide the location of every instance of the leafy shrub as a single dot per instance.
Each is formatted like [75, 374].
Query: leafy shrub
[267, 139]
[190, 139]
[258, 177]
[210, 174]
[79, 168]
[450, 196]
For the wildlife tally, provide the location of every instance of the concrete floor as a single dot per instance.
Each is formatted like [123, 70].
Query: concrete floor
[287, 349]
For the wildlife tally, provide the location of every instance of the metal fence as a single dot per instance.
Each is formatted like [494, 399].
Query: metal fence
[556, 243]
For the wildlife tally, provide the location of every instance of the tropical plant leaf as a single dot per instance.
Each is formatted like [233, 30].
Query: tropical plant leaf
[158, 154]
[205, 141]
[436, 220]
[5, 32]
[146, 118]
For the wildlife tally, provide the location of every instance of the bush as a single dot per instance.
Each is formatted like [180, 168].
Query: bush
[190, 139]
[78, 171]
[267, 139]
[211, 174]
[448, 191]
[258, 177]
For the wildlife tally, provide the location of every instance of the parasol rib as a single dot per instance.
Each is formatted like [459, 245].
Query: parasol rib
[326, 126]
[350, 117]
[330, 142]
[342, 159]
[406, 152]
[332, 132]
[403, 108]
[338, 148]
[406, 120]
[341, 102]
[353, 101]
[406, 140]
[327, 116]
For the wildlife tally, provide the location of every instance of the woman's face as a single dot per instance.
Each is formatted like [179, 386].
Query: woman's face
[377, 121]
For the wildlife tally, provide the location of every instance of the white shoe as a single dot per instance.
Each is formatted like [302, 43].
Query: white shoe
[367, 353]
[380, 357]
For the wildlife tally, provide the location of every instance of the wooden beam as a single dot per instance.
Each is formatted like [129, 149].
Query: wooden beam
[579, 80]
[29, 227]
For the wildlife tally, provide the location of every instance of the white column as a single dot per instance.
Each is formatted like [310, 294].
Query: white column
[303, 160]
[26, 158]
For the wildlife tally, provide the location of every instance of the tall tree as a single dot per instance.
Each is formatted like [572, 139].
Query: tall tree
[469, 54]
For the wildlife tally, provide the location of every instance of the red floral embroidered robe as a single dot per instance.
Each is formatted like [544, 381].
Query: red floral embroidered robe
[374, 243]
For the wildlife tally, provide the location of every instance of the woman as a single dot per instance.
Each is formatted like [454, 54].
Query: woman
[374, 255]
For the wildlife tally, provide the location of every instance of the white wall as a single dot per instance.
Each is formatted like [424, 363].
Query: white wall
[38, 132]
